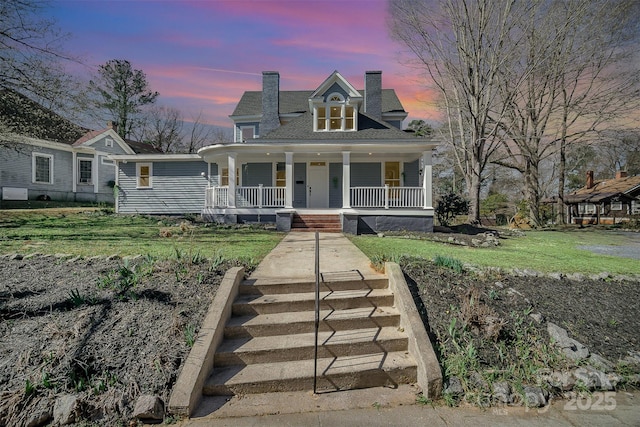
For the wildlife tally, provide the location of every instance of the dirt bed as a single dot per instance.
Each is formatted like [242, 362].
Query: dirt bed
[104, 330]
[109, 331]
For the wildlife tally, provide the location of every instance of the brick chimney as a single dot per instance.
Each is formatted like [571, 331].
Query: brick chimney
[112, 125]
[373, 94]
[270, 102]
[589, 179]
[621, 174]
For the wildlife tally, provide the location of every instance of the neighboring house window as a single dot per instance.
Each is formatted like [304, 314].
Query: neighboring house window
[144, 174]
[635, 207]
[247, 133]
[392, 174]
[334, 115]
[108, 142]
[281, 175]
[587, 208]
[85, 169]
[616, 206]
[42, 168]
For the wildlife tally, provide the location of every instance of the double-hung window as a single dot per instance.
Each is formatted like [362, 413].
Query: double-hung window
[42, 168]
[144, 174]
[85, 170]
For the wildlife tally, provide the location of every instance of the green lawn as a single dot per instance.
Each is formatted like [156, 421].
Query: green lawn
[93, 231]
[545, 251]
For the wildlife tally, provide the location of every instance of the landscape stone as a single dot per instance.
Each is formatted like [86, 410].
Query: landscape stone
[149, 408]
[453, 386]
[593, 379]
[537, 317]
[534, 397]
[502, 392]
[600, 362]
[39, 418]
[16, 257]
[563, 381]
[65, 409]
[476, 380]
[571, 348]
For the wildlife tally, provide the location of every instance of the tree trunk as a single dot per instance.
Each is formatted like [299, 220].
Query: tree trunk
[562, 167]
[532, 192]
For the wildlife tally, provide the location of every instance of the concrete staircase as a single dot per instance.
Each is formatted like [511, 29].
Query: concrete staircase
[316, 222]
[268, 343]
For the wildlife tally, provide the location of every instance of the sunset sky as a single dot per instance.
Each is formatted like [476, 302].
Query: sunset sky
[201, 55]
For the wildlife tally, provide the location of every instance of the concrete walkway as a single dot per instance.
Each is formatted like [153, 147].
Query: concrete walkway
[293, 259]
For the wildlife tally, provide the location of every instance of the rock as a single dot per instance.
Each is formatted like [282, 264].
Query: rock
[600, 362]
[38, 418]
[563, 381]
[499, 285]
[113, 257]
[149, 408]
[571, 348]
[556, 276]
[476, 380]
[65, 409]
[577, 277]
[16, 257]
[453, 386]
[593, 379]
[534, 397]
[380, 234]
[502, 392]
[537, 317]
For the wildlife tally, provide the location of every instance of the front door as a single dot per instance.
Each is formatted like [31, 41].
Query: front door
[318, 188]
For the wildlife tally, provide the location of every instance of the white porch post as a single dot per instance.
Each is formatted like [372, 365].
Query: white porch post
[74, 171]
[288, 169]
[346, 179]
[427, 179]
[95, 172]
[232, 179]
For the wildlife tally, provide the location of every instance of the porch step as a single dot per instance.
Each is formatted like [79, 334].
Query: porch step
[269, 341]
[321, 222]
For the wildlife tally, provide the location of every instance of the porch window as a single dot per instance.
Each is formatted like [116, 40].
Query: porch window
[144, 174]
[42, 168]
[392, 174]
[616, 205]
[335, 115]
[85, 172]
[587, 208]
[224, 177]
[281, 175]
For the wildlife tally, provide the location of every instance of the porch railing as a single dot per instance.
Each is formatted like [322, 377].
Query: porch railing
[246, 197]
[274, 197]
[387, 197]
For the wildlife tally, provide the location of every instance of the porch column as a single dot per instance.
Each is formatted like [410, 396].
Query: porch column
[74, 171]
[427, 185]
[232, 179]
[288, 170]
[346, 179]
[95, 173]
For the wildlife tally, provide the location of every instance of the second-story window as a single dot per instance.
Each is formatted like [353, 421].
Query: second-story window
[334, 115]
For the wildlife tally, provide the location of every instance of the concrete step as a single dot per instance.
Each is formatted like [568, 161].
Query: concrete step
[335, 300]
[263, 287]
[281, 348]
[334, 373]
[304, 321]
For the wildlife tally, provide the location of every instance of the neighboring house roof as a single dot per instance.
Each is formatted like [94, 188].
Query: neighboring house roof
[22, 116]
[129, 146]
[292, 102]
[625, 187]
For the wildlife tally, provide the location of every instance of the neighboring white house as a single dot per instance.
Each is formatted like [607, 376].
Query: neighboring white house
[330, 150]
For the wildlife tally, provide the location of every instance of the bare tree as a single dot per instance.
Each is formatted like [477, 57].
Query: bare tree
[122, 92]
[162, 127]
[462, 46]
[571, 62]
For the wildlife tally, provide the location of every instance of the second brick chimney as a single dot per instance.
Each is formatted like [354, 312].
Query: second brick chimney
[589, 179]
[373, 94]
[621, 174]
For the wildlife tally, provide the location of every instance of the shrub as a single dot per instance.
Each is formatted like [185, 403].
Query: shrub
[449, 206]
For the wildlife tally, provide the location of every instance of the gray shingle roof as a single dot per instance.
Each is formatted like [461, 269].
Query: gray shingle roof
[298, 102]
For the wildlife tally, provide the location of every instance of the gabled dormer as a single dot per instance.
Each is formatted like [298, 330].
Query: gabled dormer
[335, 105]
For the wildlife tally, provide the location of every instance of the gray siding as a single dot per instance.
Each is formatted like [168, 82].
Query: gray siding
[299, 185]
[254, 174]
[100, 145]
[335, 185]
[366, 175]
[178, 188]
[333, 89]
[412, 174]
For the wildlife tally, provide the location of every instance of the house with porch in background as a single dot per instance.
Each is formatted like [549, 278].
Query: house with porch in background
[606, 201]
[332, 158]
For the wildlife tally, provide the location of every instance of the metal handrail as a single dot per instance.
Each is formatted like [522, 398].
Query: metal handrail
[317, 309]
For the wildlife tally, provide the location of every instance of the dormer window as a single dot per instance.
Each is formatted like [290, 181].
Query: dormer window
[334, 115]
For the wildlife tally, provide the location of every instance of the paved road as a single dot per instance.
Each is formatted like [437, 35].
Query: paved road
[625, 245]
